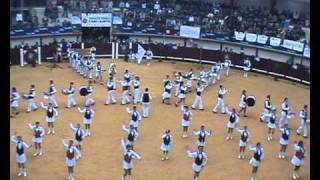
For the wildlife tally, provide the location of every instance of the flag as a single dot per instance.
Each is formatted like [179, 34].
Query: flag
[140, 53]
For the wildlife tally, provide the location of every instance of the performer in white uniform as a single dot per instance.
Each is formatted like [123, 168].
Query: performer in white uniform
[89, 100]
[186, 120]
[243, 103]
[128, 155]
[135, 117]
[99, 72]
[110, 94]
[125, 92]
[79, 136]
[32, 106]
[38, 133]
[233, 121]
[220, 103]
[214, 74]
[149, 56]
[71, 153]
[267, 109]
[303, 122]
[181, 95]
[244, 140]
[247, 67]
[87, 119]
[285, 113]
[166, 144]
[202, 133]
[284, 140]
[255, 161]
[166, 95]
[89, 66]
[132, 134]
[21, 157]
[127, 77]
[51, 94]
[197, 103]
[51, 114]
[145, 101]
[136, 91]
[178, 81]
[70, 92]
[189, 75]
[227, 63]
[297, 159]
[272, 123]
[200, 160]
[14, 102]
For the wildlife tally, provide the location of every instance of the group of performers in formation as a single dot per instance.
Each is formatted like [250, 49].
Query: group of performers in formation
[183, 84]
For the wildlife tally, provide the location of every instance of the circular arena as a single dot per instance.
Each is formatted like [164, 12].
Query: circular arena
[206, 61]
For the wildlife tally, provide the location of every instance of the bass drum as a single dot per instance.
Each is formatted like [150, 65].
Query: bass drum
[251, 101]
[83, 91]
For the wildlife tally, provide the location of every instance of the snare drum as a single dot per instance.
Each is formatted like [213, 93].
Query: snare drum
[251, 100]
[83, 91]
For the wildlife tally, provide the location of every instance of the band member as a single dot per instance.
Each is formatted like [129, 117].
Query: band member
[303, 122]
[37, 137]
[182, 94]
[125, 92]
[247, 67]
[128, 155]
[132, 134]
[89, 65]
[166, 80]
[284, 140]
[99, 72]
[186, 120]
[145, 101]
[110, 94]
[127, 77]
[136, 91]
[21, 157]
[87, 119]
[178, 81]
[243, 103]
[166, 95]
[79, 136]
[135, 117]
[71, 154]
[297, 159]
[220, 103]
[149, 56]
[219, 69]
[200, 160]
[227, 63]
[14, 102]
[197, 103]
[93, 51]
[214, 73]
[244, 140]
[284, 113]
[32, 106]
[272, 124]
[89, 100]
[267, 109]
[51, 94]
[255, 161]
[233, 121]
[166, 144]
[189, 76]
[70, 92]
[51, 113]
[202, 133]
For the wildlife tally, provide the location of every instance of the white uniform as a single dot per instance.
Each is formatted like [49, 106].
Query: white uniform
[297, 159]
[247, 65]
[136, 91]
[220, 102]
[89, 66]
[201, 159]
[70, 94]
[15, 97]
[79, 134]
[167, 91]
[227, 64]
[272, 121]
[98, 71]
[135, 117]
[244, 137]
[110, 94]
[233, 120]
[127, 163]
[285, 134]
[214, 74]
[201, 136]
[125, 92]
[189, 76]
[51, 113]
[198, 100]
[89, 100]
[20, 147]
[132, 134]
[177, 85]
[88, 115]
[187, 115]
[258, 156]
[145, 100]
[266, 111]
[149, 55]
[284, 114]
[243, 99]
[182, 92]
[31, 102]
[51, 94]
[166, 142]
[38, 133]
[71, 161]
[303, 123]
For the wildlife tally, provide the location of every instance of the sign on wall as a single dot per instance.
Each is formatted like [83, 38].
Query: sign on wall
[262, 39]
[239, 35]
[275, 41]
[96, 19]
[306, 52]
[190, 32]
[250, 37]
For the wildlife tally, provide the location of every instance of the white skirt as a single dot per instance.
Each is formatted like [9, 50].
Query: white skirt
[284, 142]
[246, 69]
[254, 162]
[165, 147]
[21, 158]
[166, 95]
[50, 120]
[242, 105]
[134, 123]
[271, 126]
[231, 125]
[87, 121]
[201, 143]
[71, 162]
[296, 161]
[36, 140]
[185, 123]
[196, 167]
[182, 96]
[14, 104]
[242, 144]
[127, 165]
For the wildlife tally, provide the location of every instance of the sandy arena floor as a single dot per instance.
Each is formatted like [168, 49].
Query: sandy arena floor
[102, 158]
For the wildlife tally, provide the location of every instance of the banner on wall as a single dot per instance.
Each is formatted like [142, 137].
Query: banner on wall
[262, 39]
[239, 35]
[297, 46]
[288, 44]
[250, 37]
[306, 51]
[96, 19]
[275, 41]
[117, 20]
[190, 32]
[75, 20]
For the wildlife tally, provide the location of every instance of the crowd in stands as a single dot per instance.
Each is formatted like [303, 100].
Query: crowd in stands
[167, 15]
